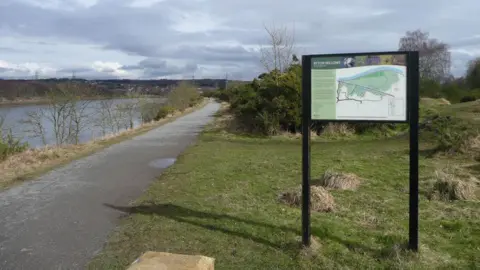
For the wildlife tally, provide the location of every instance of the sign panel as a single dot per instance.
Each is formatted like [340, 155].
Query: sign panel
[370, 87]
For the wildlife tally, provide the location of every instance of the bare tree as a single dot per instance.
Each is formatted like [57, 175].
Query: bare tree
[127, 113]
[435, 58]
[278, 54]
[105, 116]
[34, 124]
[79, 119]
[66, 111]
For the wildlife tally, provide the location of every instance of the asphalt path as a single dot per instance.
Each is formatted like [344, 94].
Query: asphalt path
[59, 220]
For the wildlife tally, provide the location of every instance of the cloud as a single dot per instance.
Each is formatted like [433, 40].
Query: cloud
[158, 68]
[216, 36]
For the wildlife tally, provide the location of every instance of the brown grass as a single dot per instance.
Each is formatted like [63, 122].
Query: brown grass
[33, 162]
[312, 250]
[452, 183]
[471, 146]
[320, 199]
[337, 129]
[434, 101]
[338, 180]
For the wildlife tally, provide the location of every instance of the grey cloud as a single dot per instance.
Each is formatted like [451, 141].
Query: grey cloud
[320, 27]
[468, 42]
[10, 50]
[155, 67]
[76, 70]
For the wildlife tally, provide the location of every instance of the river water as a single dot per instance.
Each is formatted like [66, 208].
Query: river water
[98, 118]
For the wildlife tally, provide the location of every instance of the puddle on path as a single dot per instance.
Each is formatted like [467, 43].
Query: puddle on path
[162, 163]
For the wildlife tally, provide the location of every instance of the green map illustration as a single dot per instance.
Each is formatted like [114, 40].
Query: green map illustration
[376, 81]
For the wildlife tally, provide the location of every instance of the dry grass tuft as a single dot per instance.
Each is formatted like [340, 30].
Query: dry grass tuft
[339, 180]
[311, 251]
[337, 130]
[320, 199]
[434, 101]
[452, 184]
[471, 146]
[443, 101]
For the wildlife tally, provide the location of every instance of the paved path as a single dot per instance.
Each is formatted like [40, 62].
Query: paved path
[59, 222]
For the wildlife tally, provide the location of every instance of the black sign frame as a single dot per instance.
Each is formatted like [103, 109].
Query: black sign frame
[412, 77]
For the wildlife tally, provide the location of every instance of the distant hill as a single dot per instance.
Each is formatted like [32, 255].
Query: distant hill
[32, 89]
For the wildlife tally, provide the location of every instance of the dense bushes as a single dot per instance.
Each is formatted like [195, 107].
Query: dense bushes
[268, 104]
[454, 90]
[468, 99]
[271, 104]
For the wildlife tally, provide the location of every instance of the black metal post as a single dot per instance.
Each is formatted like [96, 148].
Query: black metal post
[306, 119]
[413, 88]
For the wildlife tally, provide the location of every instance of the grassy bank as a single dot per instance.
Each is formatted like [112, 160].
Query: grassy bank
[221, 200]
[34, 162]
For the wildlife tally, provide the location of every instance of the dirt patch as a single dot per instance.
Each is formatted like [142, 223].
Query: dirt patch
[338, 180]
[452, 183]
[320, 199]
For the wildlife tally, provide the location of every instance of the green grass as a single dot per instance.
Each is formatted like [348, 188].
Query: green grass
[220, 200]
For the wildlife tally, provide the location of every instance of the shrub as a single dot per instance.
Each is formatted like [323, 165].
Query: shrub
[269, 103]
[10, 145]
[468, 99]
[149, 110]
[164, 112]
[183, 96]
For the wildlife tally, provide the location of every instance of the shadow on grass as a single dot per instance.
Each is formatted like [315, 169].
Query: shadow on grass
[425, 152]
[181, 214]
[293, 247]
[389, 244]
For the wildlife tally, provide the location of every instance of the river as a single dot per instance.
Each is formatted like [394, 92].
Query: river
[98, 118]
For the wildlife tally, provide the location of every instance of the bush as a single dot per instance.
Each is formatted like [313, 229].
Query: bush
[149, 110]
[9, 145]
[183, 96]
[468, 99]
[269, 103]
[164, 112]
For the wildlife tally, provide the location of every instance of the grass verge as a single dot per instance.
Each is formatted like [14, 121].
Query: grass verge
[221, 200]
[34, 162]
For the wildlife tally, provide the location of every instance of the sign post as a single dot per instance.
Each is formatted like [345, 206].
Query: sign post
[361, 87]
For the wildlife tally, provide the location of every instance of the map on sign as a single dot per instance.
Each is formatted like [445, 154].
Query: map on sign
[369, 87]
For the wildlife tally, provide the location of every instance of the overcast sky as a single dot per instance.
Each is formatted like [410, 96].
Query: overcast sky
[208, 38]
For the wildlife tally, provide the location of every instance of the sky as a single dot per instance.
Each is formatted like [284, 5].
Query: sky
[153, 39]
